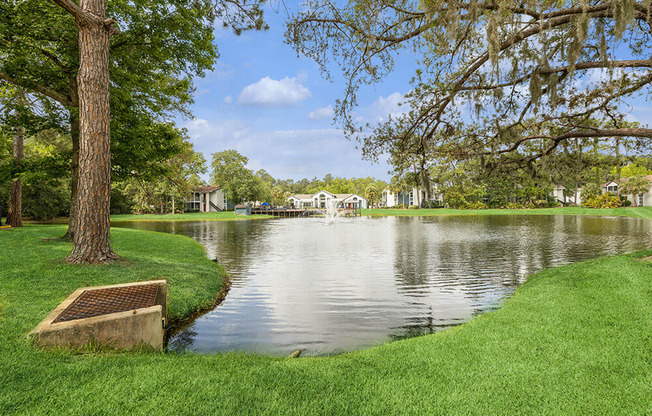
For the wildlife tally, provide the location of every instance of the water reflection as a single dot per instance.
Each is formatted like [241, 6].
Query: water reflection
[327, 288]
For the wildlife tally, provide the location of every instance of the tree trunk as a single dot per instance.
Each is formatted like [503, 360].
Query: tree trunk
[15, 213]
[91, 240]
[74, 176]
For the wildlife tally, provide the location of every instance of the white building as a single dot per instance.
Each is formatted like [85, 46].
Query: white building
[207, 199]
[558, 193]
[414, 196]
[300, 201]
[642, 200]
[323, 199]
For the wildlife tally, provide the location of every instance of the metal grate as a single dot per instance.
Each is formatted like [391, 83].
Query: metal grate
[111, 300]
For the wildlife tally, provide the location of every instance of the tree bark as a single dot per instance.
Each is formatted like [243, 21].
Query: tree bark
[74, 176]
[91, 240]
[15, 212]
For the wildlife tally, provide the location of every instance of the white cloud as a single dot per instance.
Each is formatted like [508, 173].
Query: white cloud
[285, 153]
[322, 113]
[228, 99]
[383, 107]
[275, 93]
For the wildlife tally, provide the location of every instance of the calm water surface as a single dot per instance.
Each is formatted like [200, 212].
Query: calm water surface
[334, 287]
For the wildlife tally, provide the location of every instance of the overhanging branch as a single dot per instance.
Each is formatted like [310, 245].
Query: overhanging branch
[48, 92]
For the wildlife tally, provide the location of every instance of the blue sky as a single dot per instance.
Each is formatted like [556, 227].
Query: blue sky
[276, 108]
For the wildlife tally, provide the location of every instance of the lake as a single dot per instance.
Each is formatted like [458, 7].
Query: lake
[327, 288]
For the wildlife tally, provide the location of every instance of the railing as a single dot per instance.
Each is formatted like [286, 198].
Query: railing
[215, 207]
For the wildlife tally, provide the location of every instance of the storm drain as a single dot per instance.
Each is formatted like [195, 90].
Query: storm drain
[105, 301]
[118, 316]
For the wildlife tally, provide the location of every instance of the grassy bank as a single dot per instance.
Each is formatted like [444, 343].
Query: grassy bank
[572, 340]
[642, 212]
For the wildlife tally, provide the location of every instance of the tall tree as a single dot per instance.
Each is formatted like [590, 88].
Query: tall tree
[15, 211]
[162, 45]
[371, 193]
[229, 171]
[91, 241]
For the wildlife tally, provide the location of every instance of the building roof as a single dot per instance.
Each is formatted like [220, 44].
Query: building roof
[347, 196]
[301, 196]
[648, 177]
[203, 189]
[337, 196]
[324, 191]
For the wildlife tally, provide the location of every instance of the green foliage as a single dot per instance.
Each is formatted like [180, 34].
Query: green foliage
[229, 171]
[44, 199]
[633, 169]
[635, 185]
[606, 200]
[591, 190]
[516, 65]
[173, 181]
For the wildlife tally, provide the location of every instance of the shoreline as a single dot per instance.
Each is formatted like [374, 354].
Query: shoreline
[583, 319]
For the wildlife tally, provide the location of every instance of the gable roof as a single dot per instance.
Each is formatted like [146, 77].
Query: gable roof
[323, 191]
[301, 196]
[648, 177]
[208, 188]
[347, 196]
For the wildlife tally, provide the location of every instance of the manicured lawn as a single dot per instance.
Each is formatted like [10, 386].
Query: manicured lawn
[642, 212]
[573, 340]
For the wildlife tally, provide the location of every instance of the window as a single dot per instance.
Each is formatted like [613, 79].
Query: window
[640, 200]
[612, 189]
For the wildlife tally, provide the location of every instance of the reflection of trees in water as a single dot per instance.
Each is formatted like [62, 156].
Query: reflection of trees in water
[425, 324]
[434, 272]
[412, 254]
[233, 243]
[486, 258]
[182, 340]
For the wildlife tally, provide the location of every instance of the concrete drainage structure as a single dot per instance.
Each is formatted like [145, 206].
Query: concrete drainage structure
[120, 316]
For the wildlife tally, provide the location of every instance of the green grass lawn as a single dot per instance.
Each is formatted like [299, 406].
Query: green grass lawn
[573, 340]
[642, 212]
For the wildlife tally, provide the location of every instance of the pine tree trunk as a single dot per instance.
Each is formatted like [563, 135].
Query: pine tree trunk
[74, 177]
[15, 213]
[91, 241]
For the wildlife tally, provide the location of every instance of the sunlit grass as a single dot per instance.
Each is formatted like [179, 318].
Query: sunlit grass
[573, 340]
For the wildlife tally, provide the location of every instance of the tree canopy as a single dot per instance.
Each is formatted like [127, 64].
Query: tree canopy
[503, 82]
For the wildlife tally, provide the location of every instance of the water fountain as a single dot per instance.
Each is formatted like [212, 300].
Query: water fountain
[331, 212]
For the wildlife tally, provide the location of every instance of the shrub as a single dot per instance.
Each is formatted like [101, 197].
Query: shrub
[413, 207]
[591, 190]
[475, 205]
[605, 200]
